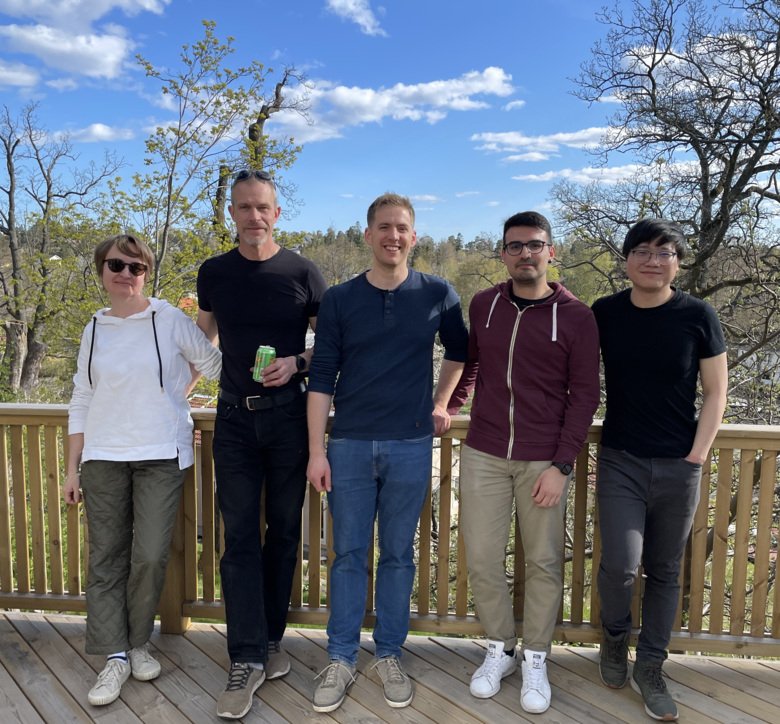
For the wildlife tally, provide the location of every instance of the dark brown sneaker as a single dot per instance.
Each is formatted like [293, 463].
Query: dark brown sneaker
[647, 680]
[613, 659]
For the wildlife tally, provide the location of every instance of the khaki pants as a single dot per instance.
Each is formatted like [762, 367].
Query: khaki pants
[131, 510]
[488, 484]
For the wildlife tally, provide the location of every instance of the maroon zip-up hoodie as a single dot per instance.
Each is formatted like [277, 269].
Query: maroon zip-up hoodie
[536, 372]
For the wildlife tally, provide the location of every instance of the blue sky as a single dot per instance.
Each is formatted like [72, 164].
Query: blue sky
[465, 107]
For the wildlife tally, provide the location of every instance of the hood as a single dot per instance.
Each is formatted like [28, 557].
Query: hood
[560, 295]
[147, 316]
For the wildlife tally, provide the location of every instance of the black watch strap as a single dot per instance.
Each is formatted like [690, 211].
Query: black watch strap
[300, 363]
[565, 468]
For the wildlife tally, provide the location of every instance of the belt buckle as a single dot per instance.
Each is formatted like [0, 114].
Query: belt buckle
[248, 402]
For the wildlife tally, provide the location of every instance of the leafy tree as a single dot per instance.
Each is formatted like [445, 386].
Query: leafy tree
[697, 94]
[217, 124]
[42, 169]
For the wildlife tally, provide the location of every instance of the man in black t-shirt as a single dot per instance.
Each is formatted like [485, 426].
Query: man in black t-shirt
[258, 294]
[656, 343]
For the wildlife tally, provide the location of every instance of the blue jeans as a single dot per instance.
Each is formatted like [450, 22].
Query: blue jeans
[265, 448]
[646, 508]
[386, 480]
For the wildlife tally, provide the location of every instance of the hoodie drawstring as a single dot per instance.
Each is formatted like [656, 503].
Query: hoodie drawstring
[91, 347]
[157, 349]
[555, 322]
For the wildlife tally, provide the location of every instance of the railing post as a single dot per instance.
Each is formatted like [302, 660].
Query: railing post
[172, 599]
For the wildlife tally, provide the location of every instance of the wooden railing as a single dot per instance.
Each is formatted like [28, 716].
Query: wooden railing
[729, 599]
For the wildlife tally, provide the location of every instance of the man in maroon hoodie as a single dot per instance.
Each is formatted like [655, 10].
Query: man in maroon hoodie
[534, 355]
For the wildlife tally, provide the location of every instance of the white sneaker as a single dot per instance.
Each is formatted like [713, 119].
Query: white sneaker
[109, 682]
[486, 681]
[143, 665]
[535, 694]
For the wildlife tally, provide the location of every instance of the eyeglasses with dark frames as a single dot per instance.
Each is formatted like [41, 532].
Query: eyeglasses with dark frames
[644, 255]
[515, 248]
[248, 173]
[117, 266]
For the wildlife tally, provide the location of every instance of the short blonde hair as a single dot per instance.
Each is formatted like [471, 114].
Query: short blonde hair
[128, 245]
[389, 199]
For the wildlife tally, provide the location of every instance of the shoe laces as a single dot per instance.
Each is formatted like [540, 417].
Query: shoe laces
[143, 652]
[331, 674]
[274, 647]
[617, 648]
[491, 667]
[653, 678]
[238, 676]
[111, 675]
[534, 674]
[391, 669]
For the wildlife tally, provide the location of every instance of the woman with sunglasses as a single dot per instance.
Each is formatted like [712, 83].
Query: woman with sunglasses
[130, 441]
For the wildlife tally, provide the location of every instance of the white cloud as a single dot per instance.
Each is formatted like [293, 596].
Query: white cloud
[427, 199]
[17, 75]
[74, 14]
[100, 133]
[96, 56]
[61, 34]
[493, 203]
[533, 156]
[513, 105]
[589, 174]
[514, 142]
[358, 12]
[336, 107]
[62, 84]
[462, 194]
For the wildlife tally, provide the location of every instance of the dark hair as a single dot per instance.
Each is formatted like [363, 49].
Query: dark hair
[528, 218]
[389, 199]
[655, 232]
[128, 245]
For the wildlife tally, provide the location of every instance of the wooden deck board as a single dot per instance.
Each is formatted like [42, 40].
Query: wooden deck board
[45, 676]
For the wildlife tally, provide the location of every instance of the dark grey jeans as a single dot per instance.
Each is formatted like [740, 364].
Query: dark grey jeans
[131, 510]
[646, 508]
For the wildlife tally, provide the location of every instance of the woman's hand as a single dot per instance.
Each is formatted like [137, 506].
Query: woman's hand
[71, 490]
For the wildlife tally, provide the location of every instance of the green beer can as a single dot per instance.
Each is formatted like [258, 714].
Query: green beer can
[265, 355]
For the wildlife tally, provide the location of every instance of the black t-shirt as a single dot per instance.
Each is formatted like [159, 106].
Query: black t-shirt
[651, 367]
[258, 302]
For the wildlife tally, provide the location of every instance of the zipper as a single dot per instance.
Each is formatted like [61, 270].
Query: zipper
[509, 383]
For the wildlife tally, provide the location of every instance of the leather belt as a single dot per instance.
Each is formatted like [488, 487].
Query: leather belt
[262, 402]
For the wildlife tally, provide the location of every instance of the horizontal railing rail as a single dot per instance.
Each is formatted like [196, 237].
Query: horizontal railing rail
[729, 595]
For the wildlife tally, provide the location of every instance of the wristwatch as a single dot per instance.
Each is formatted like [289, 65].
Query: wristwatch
[300, 363]
[565, 468]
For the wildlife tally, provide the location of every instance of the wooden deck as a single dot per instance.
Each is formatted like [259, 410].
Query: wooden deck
[45, 676]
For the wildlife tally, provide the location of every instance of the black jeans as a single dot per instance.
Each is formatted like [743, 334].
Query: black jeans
[646, 508]
[252, 450]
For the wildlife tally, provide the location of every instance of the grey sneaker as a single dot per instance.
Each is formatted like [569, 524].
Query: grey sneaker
[613, 659]
[397, 685]
[278, 663]
[109, 682]
[143, 665]
[243, 681]
[647, 680]
[336, 677]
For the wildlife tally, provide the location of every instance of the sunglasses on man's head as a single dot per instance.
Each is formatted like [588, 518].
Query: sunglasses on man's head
[117, 265]
[248, 173]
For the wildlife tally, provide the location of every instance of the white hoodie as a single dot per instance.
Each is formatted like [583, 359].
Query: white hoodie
[128, 397]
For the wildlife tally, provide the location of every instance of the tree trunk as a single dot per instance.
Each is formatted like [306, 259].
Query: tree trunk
[33, 361]
[15, 351]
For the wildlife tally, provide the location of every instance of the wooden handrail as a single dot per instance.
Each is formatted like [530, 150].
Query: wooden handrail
[729, 595]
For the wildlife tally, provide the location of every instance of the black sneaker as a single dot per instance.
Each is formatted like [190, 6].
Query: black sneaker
[613, 661]
[647, 680]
